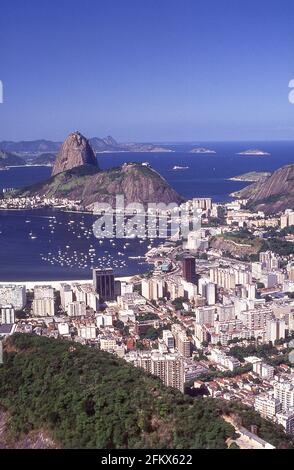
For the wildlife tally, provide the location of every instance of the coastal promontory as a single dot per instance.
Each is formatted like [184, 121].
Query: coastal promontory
[275, 193]
[76, 176]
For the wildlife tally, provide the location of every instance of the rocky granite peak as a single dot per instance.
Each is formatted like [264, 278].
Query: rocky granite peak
[75, 151]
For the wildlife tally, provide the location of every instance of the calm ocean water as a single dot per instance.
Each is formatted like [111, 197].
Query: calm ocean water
[65, 250]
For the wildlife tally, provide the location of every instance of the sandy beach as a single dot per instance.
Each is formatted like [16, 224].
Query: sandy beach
[56, 284]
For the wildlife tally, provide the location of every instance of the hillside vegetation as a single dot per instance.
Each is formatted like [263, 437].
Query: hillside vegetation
[242, 244]
[138, 183]
[63, 394]
[87, 398]
[274, 194]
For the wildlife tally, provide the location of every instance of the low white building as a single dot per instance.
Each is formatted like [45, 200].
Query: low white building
[228, 362]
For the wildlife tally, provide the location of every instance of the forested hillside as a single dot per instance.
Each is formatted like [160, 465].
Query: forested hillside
[85, 398]
[89, 399]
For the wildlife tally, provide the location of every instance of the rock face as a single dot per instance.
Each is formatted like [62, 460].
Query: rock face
[37, 439]
[274, 194]
[75, 151]
[136, 182]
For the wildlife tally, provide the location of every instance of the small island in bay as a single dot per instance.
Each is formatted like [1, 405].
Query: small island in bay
[202, 150]
[252, 176]
[254, 152]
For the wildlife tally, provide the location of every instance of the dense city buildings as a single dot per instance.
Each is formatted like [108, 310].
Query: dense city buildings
[226, 330]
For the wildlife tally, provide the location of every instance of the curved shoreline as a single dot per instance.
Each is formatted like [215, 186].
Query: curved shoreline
[56, 284]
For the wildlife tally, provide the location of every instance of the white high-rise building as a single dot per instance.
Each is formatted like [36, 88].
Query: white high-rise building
[7, 314]
[174, 288]
[76, 309]
[210, 293]
[126, 288]
[225, 312]
[251, 291]
[286, 419]
[269, 260]
[205, 315]
[290, 271]
[104, 320]
[275, 329]
[43, 303]
[287, 219]
[168, 339]
[190, 289]
[42, 292]
[152, 289]
[284, 392]
[256, 318]
[66, 296]
[207, 289]
[14, 295]
[87, 294]
[93, 301]
[265, 371]
[193, 239]
[169, 368]
[87, 331]
[256, 269]
[43, 307]
[267, 406]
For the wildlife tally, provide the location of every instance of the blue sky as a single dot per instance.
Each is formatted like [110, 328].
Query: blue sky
[147, 70]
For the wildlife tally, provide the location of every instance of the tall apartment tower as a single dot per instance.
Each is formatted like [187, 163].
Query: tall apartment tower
[104, 285]
[183, 344]
[189, 269]
[275, 329]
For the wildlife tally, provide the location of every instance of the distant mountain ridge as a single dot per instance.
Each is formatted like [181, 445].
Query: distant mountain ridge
[9, 159]
[44, 159]
[30, 146]
[104, 144]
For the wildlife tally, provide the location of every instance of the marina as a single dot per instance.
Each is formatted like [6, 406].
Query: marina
[42, 244]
